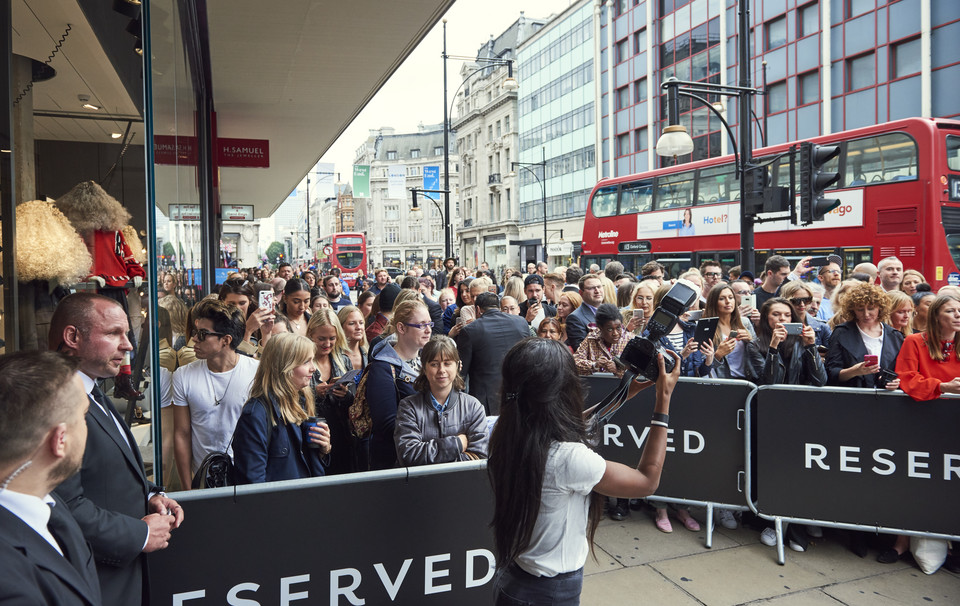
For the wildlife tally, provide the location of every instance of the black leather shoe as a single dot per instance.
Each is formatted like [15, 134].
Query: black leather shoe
[620, 510]
[889, 556]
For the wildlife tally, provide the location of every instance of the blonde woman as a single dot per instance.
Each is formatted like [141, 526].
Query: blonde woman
[609, 290]
[514, 288]
[332, 400]
[641, 306]
[352, 323]
[911, 278]
[272, 420]
[901, 311]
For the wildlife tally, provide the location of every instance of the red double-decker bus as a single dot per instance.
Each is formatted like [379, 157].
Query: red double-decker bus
[347, 251]
[899, 193]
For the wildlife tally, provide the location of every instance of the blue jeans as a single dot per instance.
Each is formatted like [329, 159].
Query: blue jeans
[516, 587]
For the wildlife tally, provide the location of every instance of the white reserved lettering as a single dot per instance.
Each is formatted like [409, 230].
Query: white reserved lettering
[235, 600]
[348, 592]
[392, 587]
[917, 463]
[430, 575]
[693, 441]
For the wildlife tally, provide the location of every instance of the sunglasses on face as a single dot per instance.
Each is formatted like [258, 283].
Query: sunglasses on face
[203, 333]
[802, 301]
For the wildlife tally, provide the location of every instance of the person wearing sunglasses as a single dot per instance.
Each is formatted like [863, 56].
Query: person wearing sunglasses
[483, 343]
[393, 368]
[800, 296]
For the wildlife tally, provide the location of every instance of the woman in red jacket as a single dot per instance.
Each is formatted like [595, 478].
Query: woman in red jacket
[929, 362]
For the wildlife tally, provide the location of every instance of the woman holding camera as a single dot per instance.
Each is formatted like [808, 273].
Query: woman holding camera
[863, 348]
[548, 484]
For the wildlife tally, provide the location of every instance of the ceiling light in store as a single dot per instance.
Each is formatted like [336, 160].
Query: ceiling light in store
[116, 135]
[85, 103]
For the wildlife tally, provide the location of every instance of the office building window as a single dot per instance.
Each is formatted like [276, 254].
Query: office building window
[640, 90]
[623, 97]
[623, 144]
[776, 97]
[808, 19]
[640, 41]
[414, 153]
[906, 58]
[640, 139]
[857, 7]
[391, 212]
[861, 72]
[438, 150]
[490, 132]
[392, 155]
[391, 234]
[623, 50]
[775, 33]
[808, 88]
[506, 123]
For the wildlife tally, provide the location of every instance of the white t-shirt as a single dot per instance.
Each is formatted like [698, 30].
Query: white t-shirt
[166, 387]
[212, 426]
[874, 345]
[559, 540]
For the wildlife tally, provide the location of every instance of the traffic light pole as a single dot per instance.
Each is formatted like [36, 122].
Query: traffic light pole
[747, 256]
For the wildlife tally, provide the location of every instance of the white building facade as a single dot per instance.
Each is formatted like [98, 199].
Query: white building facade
[396, 236]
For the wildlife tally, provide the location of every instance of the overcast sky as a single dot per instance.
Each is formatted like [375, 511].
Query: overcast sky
[414, 92]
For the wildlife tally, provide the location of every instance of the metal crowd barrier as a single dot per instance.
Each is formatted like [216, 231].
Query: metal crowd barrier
[855, 459]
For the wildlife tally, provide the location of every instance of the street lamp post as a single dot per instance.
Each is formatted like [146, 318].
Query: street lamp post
[676, 142]
[543, 189]
[509, 84]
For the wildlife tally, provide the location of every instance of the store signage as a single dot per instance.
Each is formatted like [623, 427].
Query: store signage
[231, 153]
[560, 249]
[641, 246]
[184, 212]
[237, 212]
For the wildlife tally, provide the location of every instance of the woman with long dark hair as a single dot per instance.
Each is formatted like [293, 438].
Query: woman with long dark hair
[294, 305]
[548, 484]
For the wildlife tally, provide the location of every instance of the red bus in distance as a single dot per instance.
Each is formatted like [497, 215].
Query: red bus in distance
[345, 250]
[899, 193]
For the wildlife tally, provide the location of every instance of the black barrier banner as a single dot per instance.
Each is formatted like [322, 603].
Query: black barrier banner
[854, 456]
[705, 451]
[422, 539]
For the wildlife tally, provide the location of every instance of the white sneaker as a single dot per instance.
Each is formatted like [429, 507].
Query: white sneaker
[796, 546]
[768, 537]
[814, 531]
[726, 518]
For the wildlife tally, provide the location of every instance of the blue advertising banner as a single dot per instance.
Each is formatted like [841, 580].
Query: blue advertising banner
[431, 180]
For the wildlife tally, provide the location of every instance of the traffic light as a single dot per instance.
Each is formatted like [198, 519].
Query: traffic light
[755, 182]
[813, 180]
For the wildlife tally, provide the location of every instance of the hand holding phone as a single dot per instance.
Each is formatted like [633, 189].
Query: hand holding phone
[871, 359]
[265, 300]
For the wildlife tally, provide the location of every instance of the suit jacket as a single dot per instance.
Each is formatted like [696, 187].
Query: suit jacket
[847, 349]
[108, 498]
[436, 312]
[578, 323]
[33, 571]
[482, 345]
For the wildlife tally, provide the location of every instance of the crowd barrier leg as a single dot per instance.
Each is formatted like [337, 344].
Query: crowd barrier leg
[778, 526]
[709, 542]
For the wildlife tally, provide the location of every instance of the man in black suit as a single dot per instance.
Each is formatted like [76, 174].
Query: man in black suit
[43, 555]
[436, 312]
[483, 343]
[579, 322]
[122, 514]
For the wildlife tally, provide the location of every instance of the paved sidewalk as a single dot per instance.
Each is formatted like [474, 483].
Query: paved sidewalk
[638, 564]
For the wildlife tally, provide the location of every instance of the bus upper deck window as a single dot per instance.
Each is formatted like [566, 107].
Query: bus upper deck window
[604, 203]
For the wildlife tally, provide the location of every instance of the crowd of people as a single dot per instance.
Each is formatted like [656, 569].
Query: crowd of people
[291, 379]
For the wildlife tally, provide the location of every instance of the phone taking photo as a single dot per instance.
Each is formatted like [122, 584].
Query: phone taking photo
[265, 300]
[793, 328]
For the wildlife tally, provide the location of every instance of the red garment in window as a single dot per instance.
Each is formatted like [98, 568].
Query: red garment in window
[112, 259]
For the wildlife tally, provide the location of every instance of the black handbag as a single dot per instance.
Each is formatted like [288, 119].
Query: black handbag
[215, 471]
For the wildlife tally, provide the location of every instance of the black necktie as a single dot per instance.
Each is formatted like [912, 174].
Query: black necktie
[61, 532]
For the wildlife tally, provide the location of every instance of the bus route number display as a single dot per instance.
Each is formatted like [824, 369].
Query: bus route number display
[954, 189]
